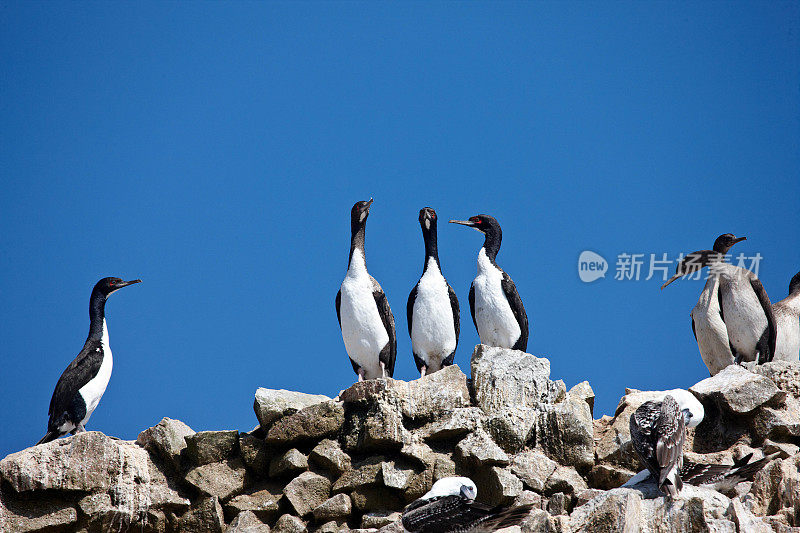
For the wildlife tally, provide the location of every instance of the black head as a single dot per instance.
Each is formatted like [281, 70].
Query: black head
[794, 285]
[427, 219]
[108, 285]
[360, 212]
[725, 241]
[482, 223]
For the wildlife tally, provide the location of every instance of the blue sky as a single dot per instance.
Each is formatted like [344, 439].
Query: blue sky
[215, 149]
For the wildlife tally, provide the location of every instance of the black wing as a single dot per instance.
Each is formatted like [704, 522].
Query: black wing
[82, 369]
[456, 311]
[671, 434]
[772, 328]
[518, 309]
[472, 304]
[443, 514]
[410, 307]
[643, 434]
[694, 332]
[338, 306]
[389, 354]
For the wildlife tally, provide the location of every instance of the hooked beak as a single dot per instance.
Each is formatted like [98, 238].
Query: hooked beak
[463, 223]
[670, 280]
[467, 492]
[369, 203]
[126, 283]
[740, 239]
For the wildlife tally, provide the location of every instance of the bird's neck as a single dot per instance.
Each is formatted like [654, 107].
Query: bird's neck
[431, 248]
[357, 236]
[491, 244]
[97, 316]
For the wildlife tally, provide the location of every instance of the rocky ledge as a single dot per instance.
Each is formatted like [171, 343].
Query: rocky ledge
[328, 465]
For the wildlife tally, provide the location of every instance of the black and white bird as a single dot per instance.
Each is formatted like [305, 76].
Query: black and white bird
[744, 305]
[787, 319]
[432, 309]
[363, 311]
[658, 431]
[450, 507]
[83, 383]
[495, 305]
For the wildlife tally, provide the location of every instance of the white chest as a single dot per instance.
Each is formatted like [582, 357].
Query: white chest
[787, 345]
[497, 325]
[363, 332]
[745, 320]
[712, 336]
[94, 389]
[433, 335]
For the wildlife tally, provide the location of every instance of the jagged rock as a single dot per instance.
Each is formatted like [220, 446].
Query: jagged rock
[559, 504]
[363, 473]
[533, 468]
[587, 494]
[289, 524]
[264, 503]
[307, 491]
[382, 428]
[566, 432]
[335, 507]
[453, 424]
[512, 429]
[378, 519]
[206, 447]
[167, 439]
[779, 424]
[737, 390]
[431, 395]
[785, 375]
[247, 522]
[290, 463]
[564, 479]
[271, 404]
[393, 476]
[310, 423]
[608, 477]
[745, 520]
[505, 380]
[420, 452]
[204, 516]
[218, 479]
[479, 449]
[585, 392]
[254, 452]
[776, 490]
[36, 516]
[375, 498]
[332, 527]
[785, 449]
[443, 466]
[329, 455]
[497, 485]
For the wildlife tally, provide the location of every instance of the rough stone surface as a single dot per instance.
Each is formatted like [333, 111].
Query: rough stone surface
[335, 507]
[308, 424]
[737, 390]
[376, 520]
[206, 516]
[566, 432]
[247, 522]
[307, 491]
[271, 404]
[533, 468]
[264, 503]
[289, 463]
[167, 439]
[289, 524]
[206, 447]
[479, 449]
[218, 479]
[329, 455]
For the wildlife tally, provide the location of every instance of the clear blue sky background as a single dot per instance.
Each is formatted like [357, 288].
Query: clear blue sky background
[215, 150]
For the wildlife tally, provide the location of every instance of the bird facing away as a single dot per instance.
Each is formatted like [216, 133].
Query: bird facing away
[658, 431]
[495, 305]
[84, 381]
[363, 311]
[450, 507]
[787, 319]
[432, 310]
[744, 305]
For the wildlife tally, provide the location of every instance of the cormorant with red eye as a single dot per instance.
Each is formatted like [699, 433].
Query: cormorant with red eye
[84, 381]
[432, 309]
[363, 311]
[495, 305]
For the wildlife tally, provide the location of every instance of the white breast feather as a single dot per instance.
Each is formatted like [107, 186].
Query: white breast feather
[363, 331]
[433, 335]
[745, 320]
[712, 336]
[94, 389]
[787, 347]
[497, 325]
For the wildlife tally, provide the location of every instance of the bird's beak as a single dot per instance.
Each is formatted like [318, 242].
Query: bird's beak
[670, 280]
[369, 203]
[740, 239]
[467, 492]
[463, 223]
[126, 283]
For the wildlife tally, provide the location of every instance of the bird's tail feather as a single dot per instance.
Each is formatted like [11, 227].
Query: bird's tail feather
[501, 518]
[51, 435]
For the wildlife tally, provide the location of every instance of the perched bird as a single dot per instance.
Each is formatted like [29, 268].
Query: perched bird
[450, 507]
[744, 305]
[658, 431]
[363, 311]
[787, 319]
[495, 305]
[432, 310]
[83, 383]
